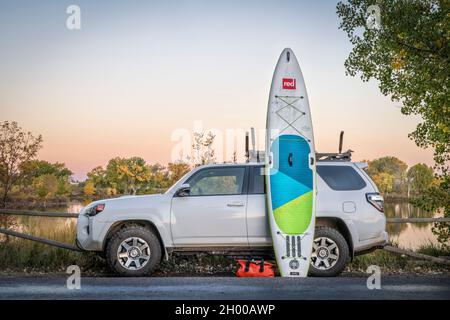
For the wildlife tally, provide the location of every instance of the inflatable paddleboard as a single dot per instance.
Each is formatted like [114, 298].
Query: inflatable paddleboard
[290, 168]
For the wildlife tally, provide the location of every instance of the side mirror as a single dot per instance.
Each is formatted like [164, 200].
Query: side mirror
[184, 190]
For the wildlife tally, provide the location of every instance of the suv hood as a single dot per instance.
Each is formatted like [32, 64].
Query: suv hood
[127, 202]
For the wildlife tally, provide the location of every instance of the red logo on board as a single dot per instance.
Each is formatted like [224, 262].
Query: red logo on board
[289, 83]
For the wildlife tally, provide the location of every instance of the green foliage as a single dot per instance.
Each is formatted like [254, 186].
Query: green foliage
[408, 53]
[89, 188]
[16, 148]
[389, 174]
[127, 175]
[133, 176]
[420, 177]
[384, 259]
[391, 165]
[36, 168]
[33, 172]
[177, 171]
[46, 186]
[409, 56]
[98, 177]
[434, 250]
[384, 182]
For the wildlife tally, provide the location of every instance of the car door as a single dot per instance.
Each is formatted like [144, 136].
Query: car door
[257, 219]
[214, 212]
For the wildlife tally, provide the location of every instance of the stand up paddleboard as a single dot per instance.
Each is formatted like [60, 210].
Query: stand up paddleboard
[291, 168]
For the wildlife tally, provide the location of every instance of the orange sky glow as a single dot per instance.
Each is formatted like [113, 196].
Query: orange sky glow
[129, 79]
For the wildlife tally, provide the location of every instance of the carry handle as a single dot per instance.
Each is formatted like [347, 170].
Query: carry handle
[247, 265]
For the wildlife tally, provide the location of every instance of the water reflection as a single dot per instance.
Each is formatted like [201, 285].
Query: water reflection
[409, 235]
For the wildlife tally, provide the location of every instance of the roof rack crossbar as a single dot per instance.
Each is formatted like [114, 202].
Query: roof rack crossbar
[341, 156]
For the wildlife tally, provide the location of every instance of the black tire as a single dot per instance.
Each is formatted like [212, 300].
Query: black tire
[336, 266]
[133, 232]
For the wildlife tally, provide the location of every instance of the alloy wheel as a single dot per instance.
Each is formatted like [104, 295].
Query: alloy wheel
[133, 253]
[325, 253]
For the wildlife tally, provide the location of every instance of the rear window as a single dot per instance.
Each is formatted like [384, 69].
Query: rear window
[341, 177]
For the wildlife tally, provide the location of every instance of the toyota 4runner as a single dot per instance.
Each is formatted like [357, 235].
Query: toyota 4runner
[221, 209]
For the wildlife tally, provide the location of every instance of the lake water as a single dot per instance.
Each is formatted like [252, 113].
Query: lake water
[407, 235]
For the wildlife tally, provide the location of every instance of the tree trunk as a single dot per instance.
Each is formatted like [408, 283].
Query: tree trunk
[5, 196]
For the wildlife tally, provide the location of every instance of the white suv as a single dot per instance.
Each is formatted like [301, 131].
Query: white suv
[221, 209]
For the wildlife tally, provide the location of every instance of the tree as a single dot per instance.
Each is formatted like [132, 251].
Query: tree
[177, 170]
[127, 175]
[159, 179]
[393, 167]
[35, 168]
[46, 186]
[98, 177]
[16, 148]
[408, 53]
[384, 182]
[202, 149]
[420, 178]
[89, 188]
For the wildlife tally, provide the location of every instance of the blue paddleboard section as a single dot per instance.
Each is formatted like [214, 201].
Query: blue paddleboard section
[291, 176]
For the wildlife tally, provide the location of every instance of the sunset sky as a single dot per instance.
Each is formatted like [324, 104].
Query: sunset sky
[138, 71]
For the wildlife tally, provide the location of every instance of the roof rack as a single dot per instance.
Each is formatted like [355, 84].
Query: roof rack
[254, 155]
[341, 156]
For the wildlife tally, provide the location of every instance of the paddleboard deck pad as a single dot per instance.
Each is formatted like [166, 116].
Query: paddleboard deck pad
[290, 168]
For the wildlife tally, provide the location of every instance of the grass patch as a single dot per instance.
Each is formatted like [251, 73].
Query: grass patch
[434, 250]
[17, 256]
[395, 263]
[387, 261]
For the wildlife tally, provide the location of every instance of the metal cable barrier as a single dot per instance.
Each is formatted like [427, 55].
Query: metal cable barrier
[35, 238]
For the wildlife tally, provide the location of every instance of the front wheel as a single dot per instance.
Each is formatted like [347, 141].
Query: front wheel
[330, 253]
[133, 251]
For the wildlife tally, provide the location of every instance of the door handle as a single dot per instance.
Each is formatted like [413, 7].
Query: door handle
[235, 204]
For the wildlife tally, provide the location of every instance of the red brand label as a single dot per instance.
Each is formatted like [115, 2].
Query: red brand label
[289, 83]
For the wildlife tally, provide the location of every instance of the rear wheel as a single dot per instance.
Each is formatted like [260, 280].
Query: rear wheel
[330, 253]
[133, 251]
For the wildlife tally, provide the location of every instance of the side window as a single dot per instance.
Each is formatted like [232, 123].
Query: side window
[343, 178]
[217, 181]
[257, 185]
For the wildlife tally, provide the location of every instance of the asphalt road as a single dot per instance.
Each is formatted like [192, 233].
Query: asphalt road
[207, 288]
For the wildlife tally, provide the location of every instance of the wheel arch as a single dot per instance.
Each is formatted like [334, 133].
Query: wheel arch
[341, 227]
[118, 225]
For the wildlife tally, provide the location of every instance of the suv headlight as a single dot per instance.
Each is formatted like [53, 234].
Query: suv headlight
[376, 200]
[93, 211]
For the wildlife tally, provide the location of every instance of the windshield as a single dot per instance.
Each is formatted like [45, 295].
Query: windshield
[173, 186]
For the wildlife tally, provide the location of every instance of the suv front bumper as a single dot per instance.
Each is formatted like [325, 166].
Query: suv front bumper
[90, 235]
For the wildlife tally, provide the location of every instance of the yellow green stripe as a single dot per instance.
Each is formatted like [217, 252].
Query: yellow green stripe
[294, 217]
